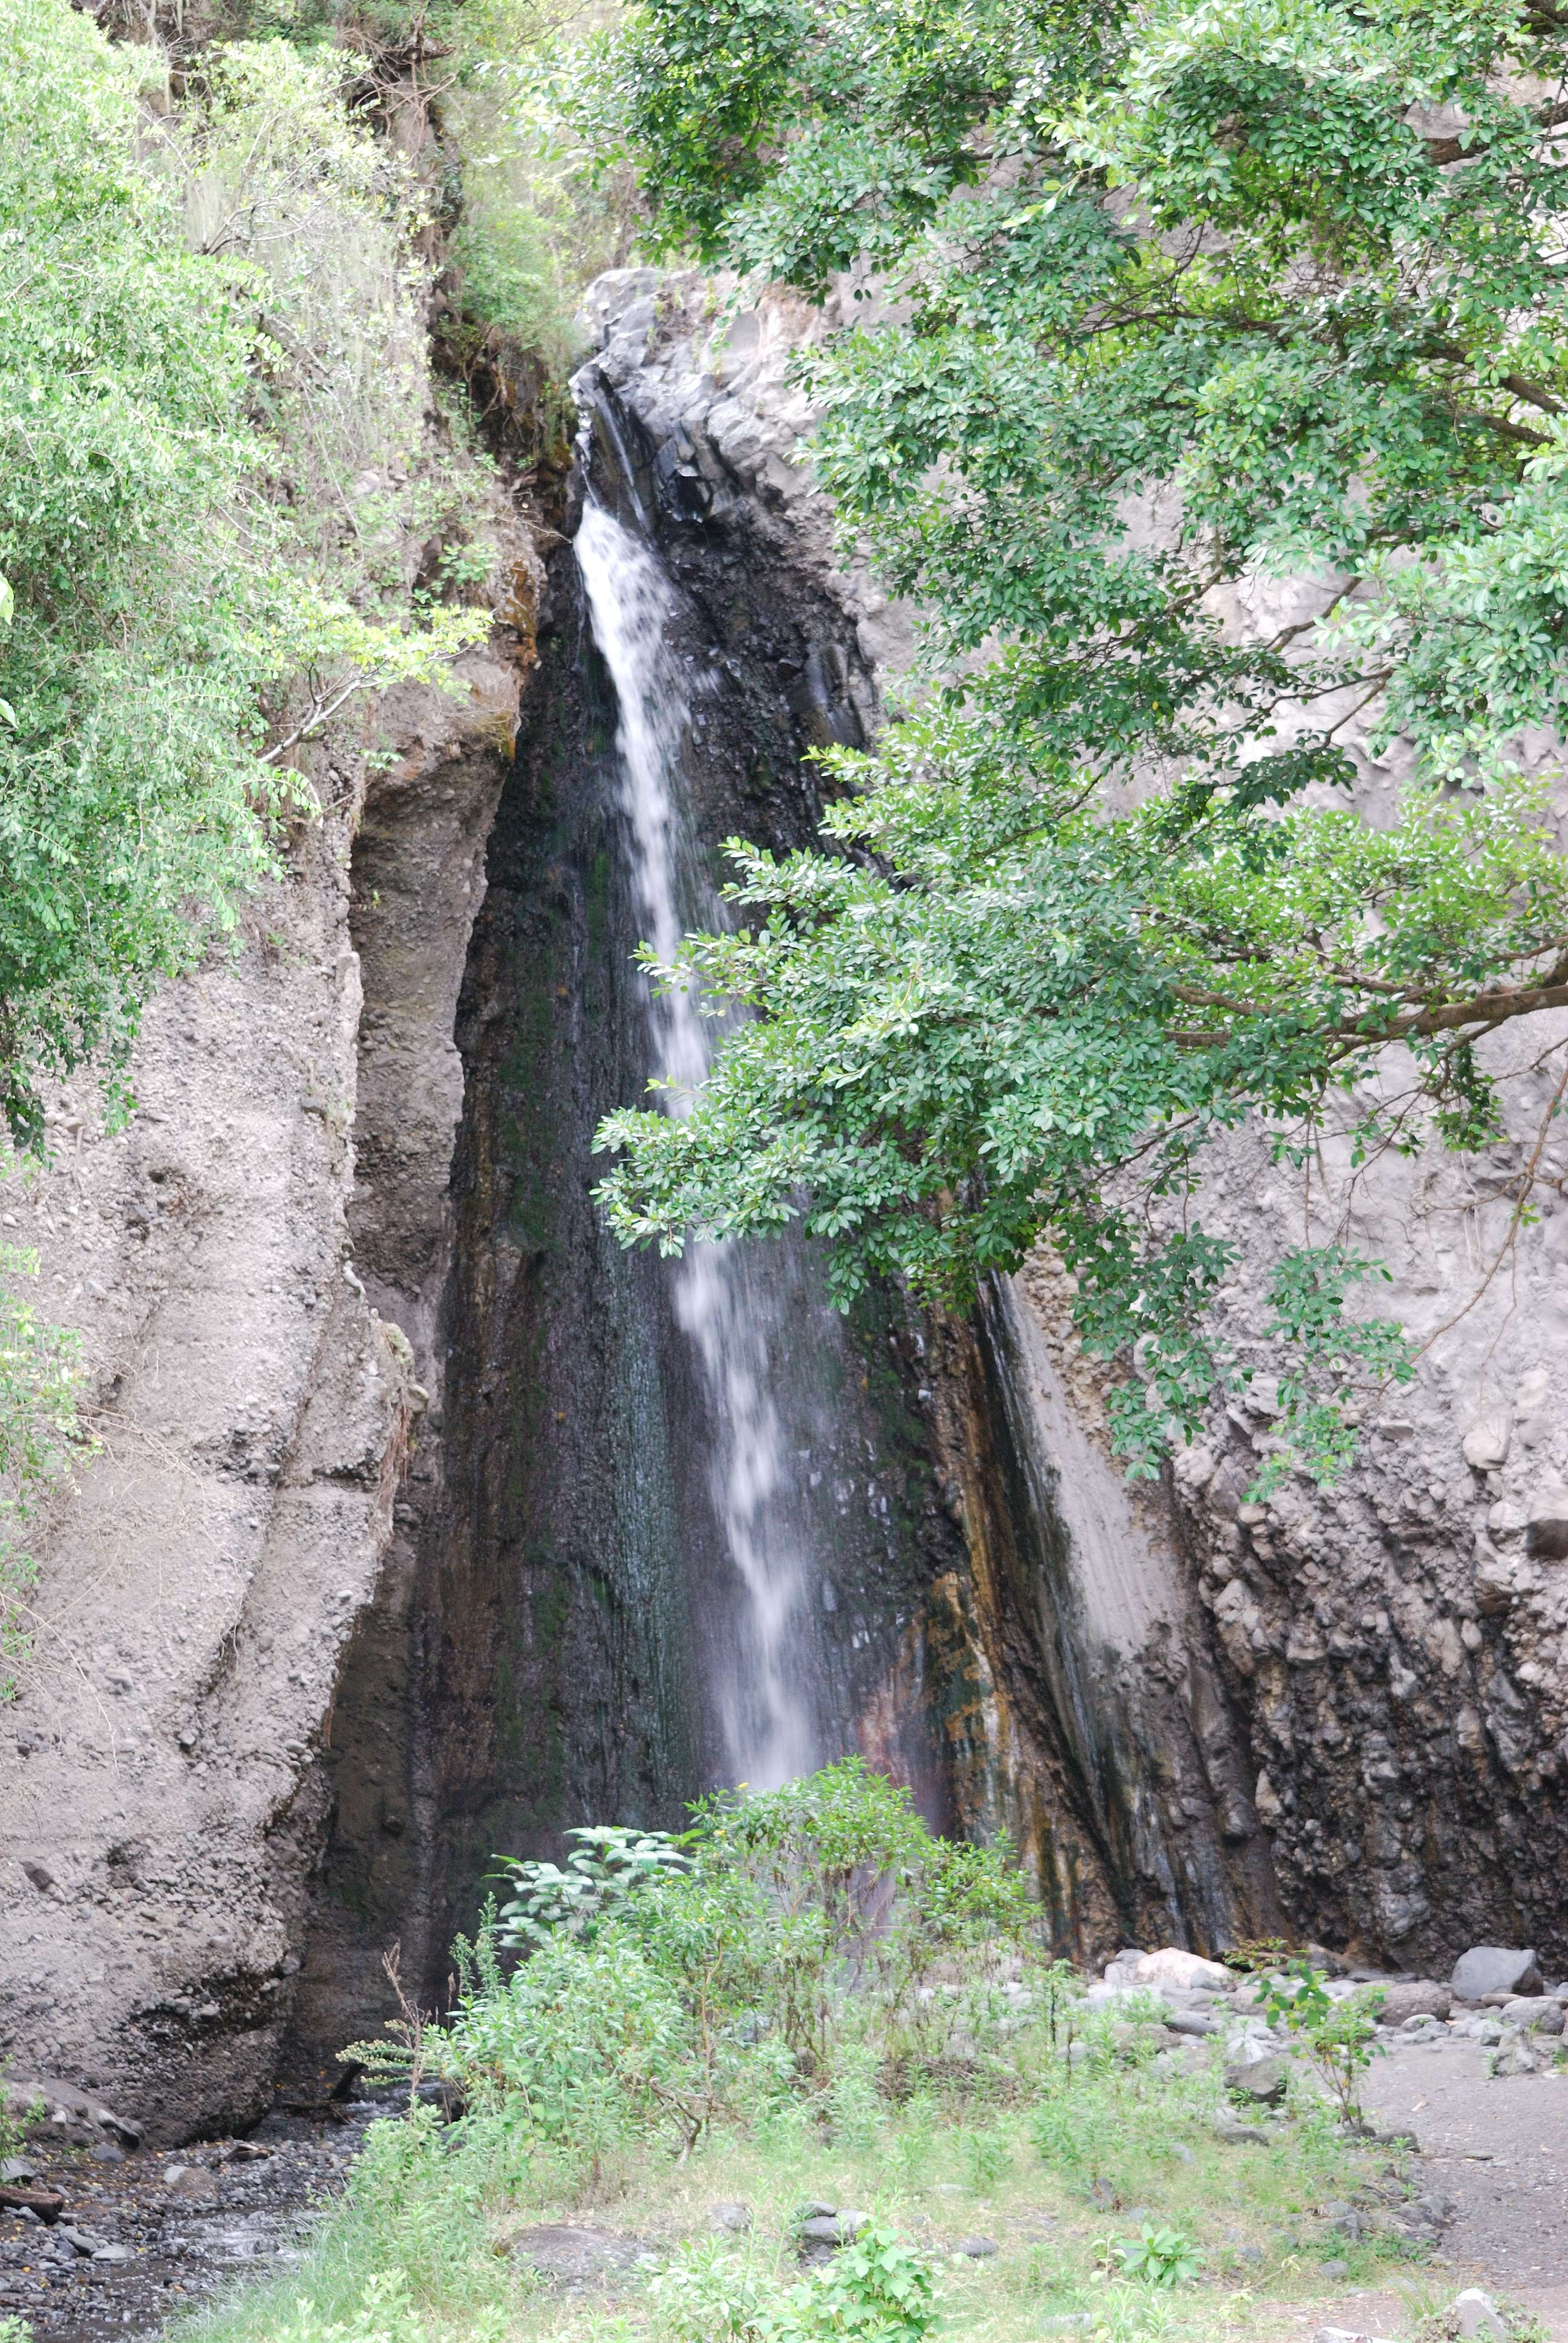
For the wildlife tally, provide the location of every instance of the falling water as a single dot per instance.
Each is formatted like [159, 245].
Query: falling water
[731, 1300]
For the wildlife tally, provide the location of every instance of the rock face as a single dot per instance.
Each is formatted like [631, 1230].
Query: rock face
[1061, 1647]
[163, 1798]
[1340, 1714]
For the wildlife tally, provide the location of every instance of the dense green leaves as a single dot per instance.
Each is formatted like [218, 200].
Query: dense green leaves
[186, 377]
[1188, 299]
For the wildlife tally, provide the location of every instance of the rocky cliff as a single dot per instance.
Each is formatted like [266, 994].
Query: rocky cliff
[399, 1547]
[1338, 1714]
[257, 1380]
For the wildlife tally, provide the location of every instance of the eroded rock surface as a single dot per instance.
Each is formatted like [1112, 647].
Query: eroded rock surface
[163, 1799]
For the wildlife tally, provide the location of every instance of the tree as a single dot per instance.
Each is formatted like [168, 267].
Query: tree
[168, 446]
[1174, 298]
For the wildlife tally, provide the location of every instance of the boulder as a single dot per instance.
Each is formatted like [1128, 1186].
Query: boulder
[1494, 1968]
[575, 2257]
[1541, 2012]
[1194, 2022]
[1183, 1970]
[825, 2227]
[1477, 2315]
[1261, 2080]
[729, 2215]
[70, 2118]
[1546, 1523]
[1424, 1998]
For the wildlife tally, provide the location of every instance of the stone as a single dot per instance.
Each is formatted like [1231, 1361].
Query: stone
[18, 2167]
[1183, 1970]
[1494, 1968]
[1423, 1998]
[1486, 1445]
[1191, 2021]
[575, 2257]
[976, 2249]
[832, 2228]
[191, 2186]
[1334, 2268]
[1541, 2012]
[1239, 2135]
[69, 2116]
[1261, 2079]
[1516, 2054]
[107, 2152]
[1546, 1523]
[1476, 2316]
[1348, 2335]
[81, 2241]
[114, 2254]
[729, 2215]
[1069, 2322]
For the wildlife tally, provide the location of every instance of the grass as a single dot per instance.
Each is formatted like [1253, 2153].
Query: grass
[429, 2215]
[809, 1998]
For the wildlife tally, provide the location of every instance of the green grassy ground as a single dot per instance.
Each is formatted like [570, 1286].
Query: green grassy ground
[1057, 2183]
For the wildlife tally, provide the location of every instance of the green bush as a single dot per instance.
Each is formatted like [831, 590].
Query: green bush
[210, 324]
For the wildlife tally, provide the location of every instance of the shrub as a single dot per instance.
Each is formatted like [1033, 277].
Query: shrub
[209, 320]
[1160, 2256]
[1339, 2037]
[878, 2288]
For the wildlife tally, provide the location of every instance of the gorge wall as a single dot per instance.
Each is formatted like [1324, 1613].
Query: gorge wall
[1341, 1714]
[400, 1545]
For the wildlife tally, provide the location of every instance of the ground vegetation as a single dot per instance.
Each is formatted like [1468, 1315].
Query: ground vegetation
[829, 2020]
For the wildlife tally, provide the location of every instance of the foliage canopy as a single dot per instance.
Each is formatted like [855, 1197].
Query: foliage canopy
[1161, 305]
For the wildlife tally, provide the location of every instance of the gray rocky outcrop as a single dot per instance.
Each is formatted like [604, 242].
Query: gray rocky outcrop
[255, 1405]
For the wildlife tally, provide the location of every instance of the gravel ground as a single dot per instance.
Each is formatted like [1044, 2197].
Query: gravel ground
[1499, 2148]
[186, 2220]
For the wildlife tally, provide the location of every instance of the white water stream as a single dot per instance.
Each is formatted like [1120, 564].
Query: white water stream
[732, 1301]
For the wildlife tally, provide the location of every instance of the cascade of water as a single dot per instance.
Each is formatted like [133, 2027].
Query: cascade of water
[733, 1302]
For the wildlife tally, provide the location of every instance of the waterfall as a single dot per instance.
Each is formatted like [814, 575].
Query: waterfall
[736, 1303]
